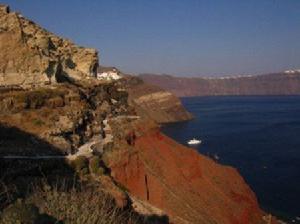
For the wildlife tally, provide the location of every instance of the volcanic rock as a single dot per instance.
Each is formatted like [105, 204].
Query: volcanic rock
[32, 56]
[189, 187]
[153, 102]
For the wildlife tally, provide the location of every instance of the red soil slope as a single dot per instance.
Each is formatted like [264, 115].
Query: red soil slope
[189, 187]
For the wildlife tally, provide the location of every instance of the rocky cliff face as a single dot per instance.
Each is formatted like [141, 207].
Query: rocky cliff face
[160, 176]
[153, 170]
[32, 56]
[63, 115]
[153, 102]
[270, 84]
[189, 187]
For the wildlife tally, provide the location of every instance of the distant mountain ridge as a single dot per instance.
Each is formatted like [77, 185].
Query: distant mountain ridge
[283, 83]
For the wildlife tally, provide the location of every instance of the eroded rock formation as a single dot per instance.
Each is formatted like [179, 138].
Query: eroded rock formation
[31, 56]
[154, 102]
[63, 115]
[189, 187]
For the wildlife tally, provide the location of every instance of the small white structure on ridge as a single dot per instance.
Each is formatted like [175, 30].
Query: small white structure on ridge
[108, 73]
[292, 71]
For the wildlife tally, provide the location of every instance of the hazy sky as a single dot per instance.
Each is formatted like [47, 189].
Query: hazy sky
[182, 37]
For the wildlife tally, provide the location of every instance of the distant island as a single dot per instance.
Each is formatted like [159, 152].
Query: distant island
[282, 83]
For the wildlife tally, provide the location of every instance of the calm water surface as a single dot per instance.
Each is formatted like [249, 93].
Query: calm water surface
[260, 136]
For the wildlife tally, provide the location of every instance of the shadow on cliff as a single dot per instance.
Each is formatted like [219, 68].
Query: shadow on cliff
[17, 175]
[20, 176]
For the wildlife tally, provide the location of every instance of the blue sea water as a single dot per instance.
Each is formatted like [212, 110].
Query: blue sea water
[259, 135]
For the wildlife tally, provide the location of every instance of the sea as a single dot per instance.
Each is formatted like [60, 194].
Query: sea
[258, 135]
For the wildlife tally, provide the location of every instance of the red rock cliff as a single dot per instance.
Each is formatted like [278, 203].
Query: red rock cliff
[189, 187]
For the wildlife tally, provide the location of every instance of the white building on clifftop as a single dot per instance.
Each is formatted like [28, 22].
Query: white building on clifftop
[108, 73]
[292, 71]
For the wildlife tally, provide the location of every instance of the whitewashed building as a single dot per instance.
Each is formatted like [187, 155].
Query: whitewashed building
[292, 71]
[108, 73]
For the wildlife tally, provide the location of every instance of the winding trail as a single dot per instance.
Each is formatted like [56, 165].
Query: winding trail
[85, 150]
[95, 144]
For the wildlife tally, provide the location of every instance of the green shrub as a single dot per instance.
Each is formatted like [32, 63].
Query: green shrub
[94, 163]
[95, 166]
[84, 171]
[100, 171]
[37, 98]
[38, 122]
[80, 163]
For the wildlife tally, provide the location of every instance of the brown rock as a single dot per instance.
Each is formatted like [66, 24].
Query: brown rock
[4, 9]
[65, 124]
[55, 102]
[155, 103]
[61, 143]
[31, 56]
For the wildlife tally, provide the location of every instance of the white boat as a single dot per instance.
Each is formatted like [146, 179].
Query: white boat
[194, 141]
[216, 157]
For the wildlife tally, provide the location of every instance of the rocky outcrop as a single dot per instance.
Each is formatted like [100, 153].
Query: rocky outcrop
[31, 56]
[64, 115]
[270, 84]
[154, 102]
[189, 187]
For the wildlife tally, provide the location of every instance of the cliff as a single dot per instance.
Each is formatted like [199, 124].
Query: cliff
[32, 56]
[159, 176]
[64, 115]
[99, 135]
[154, 102]
[189, 187]
[269, 84]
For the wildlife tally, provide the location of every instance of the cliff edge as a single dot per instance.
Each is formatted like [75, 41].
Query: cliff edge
[31, 56]
[154, 102]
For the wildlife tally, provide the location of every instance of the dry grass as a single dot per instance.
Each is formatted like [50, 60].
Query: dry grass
[20, 213]
[68, 203]
[87, 205]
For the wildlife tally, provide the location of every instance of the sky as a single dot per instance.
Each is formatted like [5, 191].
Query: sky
[179, 37]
